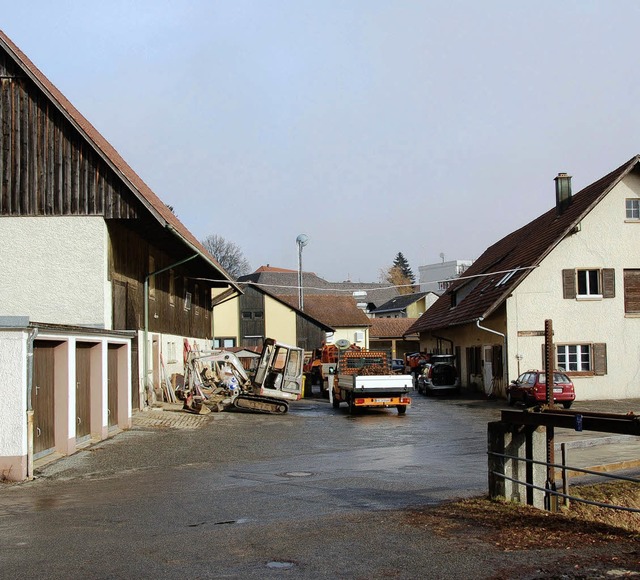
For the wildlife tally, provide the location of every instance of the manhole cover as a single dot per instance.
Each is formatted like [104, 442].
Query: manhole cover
[280, 565]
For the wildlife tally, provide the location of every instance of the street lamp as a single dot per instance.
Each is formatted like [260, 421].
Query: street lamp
[302, 240]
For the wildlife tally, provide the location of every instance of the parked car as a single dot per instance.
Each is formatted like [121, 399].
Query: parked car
[531, 388]
[397, 365]
[439, 375]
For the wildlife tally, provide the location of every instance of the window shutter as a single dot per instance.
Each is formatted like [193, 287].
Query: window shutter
[632, 291]
[600, 358]
[569, 284]
[608, 283]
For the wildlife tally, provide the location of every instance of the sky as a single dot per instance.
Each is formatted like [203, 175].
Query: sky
[431, 128]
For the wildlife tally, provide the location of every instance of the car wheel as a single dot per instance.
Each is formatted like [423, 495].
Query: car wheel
[567, 404]
[510, 400]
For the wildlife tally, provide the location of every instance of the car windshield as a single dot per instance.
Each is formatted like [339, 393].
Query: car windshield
[557, 378]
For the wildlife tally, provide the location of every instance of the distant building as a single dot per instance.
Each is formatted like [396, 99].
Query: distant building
[439, 277]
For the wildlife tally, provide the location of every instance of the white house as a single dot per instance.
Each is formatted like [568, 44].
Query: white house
[577, 265]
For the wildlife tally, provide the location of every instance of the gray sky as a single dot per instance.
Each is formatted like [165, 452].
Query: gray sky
[372, 126]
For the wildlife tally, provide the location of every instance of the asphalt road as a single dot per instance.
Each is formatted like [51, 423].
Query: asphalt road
[316, 493]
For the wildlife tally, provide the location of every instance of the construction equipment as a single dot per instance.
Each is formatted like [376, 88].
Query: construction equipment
[217, 380]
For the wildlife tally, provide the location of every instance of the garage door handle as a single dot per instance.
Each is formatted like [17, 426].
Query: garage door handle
[38, 432]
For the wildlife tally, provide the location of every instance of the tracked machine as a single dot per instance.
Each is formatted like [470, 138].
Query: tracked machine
[217, 380]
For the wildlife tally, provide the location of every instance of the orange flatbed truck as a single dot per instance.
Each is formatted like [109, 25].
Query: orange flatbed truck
[364, 380]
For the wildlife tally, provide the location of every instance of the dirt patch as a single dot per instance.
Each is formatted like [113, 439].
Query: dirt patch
[610, 537]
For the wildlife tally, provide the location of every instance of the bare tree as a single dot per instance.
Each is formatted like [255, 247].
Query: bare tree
[394, 275]
[228, 254]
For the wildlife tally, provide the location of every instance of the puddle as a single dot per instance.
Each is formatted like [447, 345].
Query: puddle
[280, 565]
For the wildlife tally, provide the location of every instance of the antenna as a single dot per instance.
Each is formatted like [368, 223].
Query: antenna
[442, 256]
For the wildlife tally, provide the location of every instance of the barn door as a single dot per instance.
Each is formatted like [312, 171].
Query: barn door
[112, 396]
[42, 398]
[83, 390]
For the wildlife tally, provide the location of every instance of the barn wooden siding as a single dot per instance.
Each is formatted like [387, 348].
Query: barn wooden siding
[47, 167]
[129, 264]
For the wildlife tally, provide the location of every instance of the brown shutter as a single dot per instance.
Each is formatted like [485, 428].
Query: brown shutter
[600, 358]
[608, 283]
[632, 291]
[569, 284]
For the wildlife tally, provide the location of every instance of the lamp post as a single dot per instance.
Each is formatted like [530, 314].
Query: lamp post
[302, 240]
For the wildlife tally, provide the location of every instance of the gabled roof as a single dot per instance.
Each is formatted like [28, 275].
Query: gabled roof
[487, 283]
[390, 327]
[400, 302]
[336, 311]
[283, 281]
[293, 304]
[107, 152]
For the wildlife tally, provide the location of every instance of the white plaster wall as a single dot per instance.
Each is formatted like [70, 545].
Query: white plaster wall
[349, 334]
[13, 393]
[55, 270]
[605, 240]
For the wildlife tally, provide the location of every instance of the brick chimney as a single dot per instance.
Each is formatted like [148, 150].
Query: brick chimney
[563, 192]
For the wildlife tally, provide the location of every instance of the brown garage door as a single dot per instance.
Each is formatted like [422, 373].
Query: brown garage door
[113, 385]
[42, 397]
[83, 390]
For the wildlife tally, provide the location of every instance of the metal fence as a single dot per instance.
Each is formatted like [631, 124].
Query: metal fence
[552, 492]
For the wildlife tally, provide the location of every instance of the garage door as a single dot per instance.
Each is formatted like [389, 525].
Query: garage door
[42, 398]
[113, 385]
[83, 390]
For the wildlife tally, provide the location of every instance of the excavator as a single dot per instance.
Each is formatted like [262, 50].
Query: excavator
[217, 379]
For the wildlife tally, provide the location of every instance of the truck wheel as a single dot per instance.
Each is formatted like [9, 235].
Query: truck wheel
[352, 405]
[402, 409]
[335, 403]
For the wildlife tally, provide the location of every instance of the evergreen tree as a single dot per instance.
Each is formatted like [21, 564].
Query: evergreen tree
[403, 265]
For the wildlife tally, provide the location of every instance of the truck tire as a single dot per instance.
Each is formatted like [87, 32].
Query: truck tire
[335, 403]
[402, 409]
[352, 404]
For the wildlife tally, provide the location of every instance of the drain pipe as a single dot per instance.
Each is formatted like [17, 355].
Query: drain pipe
[32, 336]
[504, 346]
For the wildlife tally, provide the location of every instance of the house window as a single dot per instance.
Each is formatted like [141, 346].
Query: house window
[588, 283]
[632, 291]
[633, 209]
[246, 315]
[196, 292]
[224, 342]
[187, 300]
[574, 357]
[589, 359]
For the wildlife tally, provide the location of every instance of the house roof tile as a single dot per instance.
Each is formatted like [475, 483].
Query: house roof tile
[487, 283]
[390, 327]
[335, 311]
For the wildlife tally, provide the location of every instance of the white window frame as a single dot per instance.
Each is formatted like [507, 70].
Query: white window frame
[632, 208]
[574, 358]
[590, 294]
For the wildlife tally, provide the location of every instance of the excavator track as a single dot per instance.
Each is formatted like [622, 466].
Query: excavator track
[259, 404]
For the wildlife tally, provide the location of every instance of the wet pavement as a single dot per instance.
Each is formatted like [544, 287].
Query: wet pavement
[314, 493]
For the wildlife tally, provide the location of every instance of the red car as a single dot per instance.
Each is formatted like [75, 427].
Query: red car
[531, 389]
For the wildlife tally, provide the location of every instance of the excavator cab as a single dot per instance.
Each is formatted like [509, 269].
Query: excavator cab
[279, 371]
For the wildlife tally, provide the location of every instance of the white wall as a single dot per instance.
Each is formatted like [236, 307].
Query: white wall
[13, 393]
[55, 270]
[605, 240]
